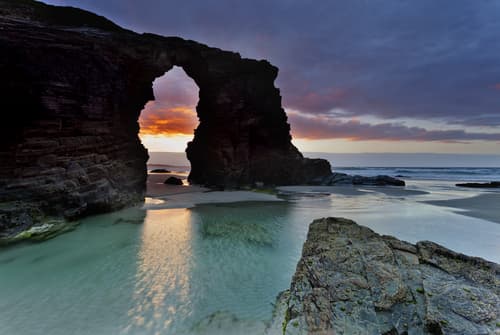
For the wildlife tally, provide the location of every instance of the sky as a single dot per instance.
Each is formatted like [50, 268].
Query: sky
[355, 75]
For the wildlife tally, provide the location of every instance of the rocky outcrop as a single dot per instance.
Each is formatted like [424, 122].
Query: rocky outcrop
[492, 184]
[73, 85]
[160, 171]
[173, 181]
[338, 178]
[351, 280]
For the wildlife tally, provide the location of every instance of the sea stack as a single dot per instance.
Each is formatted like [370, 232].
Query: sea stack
[74, 84]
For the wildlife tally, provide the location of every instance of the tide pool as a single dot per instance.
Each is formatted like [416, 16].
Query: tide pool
[211, 269]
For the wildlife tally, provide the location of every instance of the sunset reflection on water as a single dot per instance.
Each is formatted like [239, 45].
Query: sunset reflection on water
[163, 266]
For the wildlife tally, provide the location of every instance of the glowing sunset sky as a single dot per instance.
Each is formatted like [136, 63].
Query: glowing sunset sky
[355, 76]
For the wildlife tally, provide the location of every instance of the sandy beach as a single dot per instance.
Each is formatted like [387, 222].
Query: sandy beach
[156, 187]
[484, 206]
[350, 190]
[163, 196]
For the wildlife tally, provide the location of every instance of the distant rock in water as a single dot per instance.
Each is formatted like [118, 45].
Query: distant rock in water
[346, 179]
[173, 181]
[492, 184]
[160, 171]
[351, 280]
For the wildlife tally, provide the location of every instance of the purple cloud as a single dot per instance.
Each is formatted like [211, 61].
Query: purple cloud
[383, 58]
[321, 127]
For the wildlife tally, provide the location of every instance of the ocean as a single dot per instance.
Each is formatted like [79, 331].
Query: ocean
[479, 174]
[216, 268]
[445, 167]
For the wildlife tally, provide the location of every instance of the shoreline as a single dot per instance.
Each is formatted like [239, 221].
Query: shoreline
[474, 203]
[188, 196]
[483, 206]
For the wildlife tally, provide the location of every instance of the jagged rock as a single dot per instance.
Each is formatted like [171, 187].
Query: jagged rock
[73, 85]
[338, 178]
[492, 184]
[351, 280]
[173, 181]
[160, 171]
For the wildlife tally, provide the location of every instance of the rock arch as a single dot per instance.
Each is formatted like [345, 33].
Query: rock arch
[74, 84]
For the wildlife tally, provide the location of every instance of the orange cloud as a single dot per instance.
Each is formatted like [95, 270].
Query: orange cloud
[497, 86]
[180, 120]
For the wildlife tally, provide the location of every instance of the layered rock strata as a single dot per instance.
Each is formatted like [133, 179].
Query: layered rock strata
[73, 85]
[351, 280]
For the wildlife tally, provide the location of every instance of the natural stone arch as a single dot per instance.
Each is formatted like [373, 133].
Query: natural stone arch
[76, 91]
[242, 124]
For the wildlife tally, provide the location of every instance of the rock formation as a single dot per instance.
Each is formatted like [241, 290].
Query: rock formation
[160, 171]
[337, 178]
[351, 280]
[173, 181]
[73, 85]
[492, 184]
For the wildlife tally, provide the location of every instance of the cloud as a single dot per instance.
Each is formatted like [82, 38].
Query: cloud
[383, 58]
[156, 120]
[322, 101]
[321, 127]
[175, 88]
[173, 112]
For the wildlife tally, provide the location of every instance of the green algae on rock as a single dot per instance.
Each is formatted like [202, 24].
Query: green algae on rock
[49, 228]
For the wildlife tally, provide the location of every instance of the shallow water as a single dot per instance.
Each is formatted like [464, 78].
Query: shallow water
[456, 174]
[213, 268]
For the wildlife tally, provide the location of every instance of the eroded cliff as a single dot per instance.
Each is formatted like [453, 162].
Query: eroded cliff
[73, 85]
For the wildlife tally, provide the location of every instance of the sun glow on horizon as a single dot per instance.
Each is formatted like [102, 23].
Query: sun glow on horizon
[163, 143]
[168, 122]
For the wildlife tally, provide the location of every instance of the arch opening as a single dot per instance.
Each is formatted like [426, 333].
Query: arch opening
[167, 123]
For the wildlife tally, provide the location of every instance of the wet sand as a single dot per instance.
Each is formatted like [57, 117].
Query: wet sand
[188, 196]
[156, 187]
[350, 190]
[484, 206]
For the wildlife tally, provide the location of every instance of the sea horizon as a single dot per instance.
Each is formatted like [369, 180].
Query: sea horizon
[342, 160]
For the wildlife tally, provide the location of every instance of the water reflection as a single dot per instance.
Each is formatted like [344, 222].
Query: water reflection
[227, 260]
[213, 269]
[162, 280]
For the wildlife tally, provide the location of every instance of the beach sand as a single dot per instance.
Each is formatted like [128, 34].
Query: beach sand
[350, 190]
[484, 206]
[188, 196]
[156, 187]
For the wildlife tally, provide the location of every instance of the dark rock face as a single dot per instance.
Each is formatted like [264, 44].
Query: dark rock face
[173, 181]
[351, 280]
[493, 184]
[73, 85]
